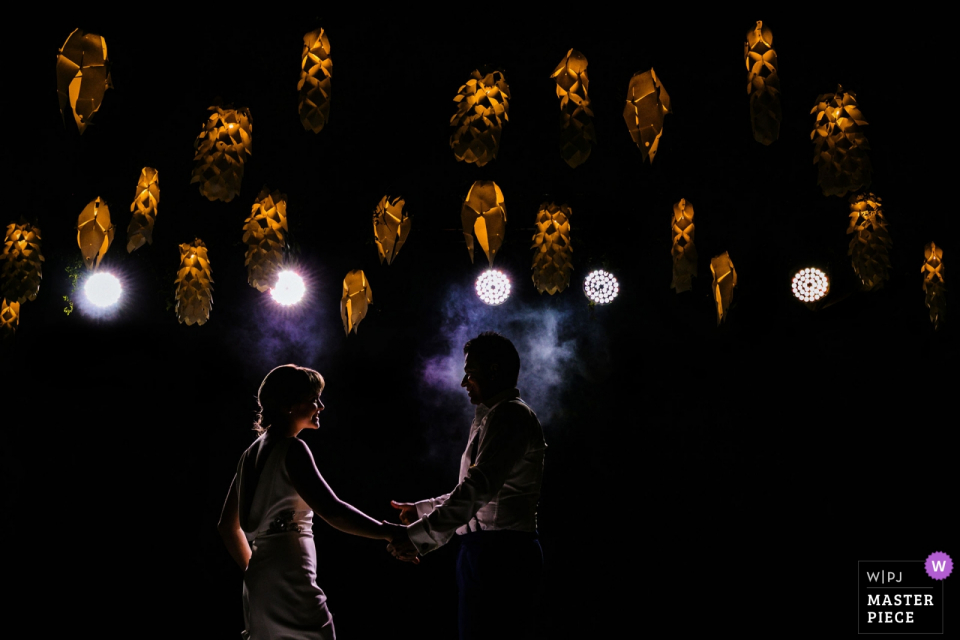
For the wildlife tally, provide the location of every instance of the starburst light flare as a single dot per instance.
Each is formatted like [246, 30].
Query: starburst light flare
[289, 289]
[601, 287]
[810, 284]
[493, 287]
[102, 289]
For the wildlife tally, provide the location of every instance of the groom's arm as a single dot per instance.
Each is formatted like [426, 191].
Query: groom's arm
[503, 445]
[426, 507]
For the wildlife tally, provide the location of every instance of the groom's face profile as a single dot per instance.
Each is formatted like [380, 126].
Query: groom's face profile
[475, 380]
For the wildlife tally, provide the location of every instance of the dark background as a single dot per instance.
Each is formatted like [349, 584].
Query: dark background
[695, 473]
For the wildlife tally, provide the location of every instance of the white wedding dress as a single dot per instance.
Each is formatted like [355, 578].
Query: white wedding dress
[281, 598]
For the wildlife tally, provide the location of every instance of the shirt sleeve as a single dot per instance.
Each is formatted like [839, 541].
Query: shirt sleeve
[426, 507]
[502, 446]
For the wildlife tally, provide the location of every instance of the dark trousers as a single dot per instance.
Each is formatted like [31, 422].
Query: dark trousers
[499, 576]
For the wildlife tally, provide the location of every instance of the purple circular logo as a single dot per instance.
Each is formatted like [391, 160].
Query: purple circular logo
[938, 565]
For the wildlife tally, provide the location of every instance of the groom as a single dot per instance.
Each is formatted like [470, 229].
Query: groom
[493, 509]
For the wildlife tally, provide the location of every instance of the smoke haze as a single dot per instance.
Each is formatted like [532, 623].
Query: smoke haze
[557, 342]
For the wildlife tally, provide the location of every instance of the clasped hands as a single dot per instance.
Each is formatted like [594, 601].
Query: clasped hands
[400, 546]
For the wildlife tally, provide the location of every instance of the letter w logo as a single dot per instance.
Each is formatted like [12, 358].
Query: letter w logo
[939, 565]
[873, 577]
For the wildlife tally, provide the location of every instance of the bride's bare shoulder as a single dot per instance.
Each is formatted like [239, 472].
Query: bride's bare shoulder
[298, 456]
[298, 449]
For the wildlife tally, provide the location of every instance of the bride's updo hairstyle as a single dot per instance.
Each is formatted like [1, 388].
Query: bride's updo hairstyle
[284, 387]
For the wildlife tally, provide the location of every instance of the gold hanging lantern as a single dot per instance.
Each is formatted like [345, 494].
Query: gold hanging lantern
[144, 208]
[94, 232]
[552, 256]
[357, 295]
[265, 233]
[684, 251]
[316, 71]
[934, 288]
[577, 135]
[83, 75]
[647, 105]
[724, 280]
[9, 318]
[484, 215]
[870, 245]
[482, 106]
[21, 263]
[222, 149]
[763, 84]
[840, 148]
[391, 226]
[194, 284]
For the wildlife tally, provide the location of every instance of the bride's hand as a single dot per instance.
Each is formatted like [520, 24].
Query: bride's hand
[400, 546]
[392, 530]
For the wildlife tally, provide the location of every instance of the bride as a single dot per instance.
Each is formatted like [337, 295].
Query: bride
[267, 519]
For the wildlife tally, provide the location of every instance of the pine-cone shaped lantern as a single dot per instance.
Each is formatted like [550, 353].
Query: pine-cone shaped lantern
[9, 317]
[194, 284]
[482, 106]
[934, 287]
[870, 245]
[724, 281]
[222, 149]
[94, 232]
[840, 148]
[553, 253]
[265, 234]
[316, 71]
[647, 105]
[391, 226]
[684, 251]
[357, 295]
[577, 135]
[83, 75]
[484, 215]
[763, 84]
[144, 208]
[21, 264]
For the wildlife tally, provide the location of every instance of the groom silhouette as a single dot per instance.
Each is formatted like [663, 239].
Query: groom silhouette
[493, 508]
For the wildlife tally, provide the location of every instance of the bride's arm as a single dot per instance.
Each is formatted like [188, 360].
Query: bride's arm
[317, 493]
[229, 527]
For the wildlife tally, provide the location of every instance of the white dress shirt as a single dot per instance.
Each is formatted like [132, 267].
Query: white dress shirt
[500, 490]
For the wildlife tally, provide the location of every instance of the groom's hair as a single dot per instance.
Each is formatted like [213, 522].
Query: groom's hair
[284, 387]
[491, 348]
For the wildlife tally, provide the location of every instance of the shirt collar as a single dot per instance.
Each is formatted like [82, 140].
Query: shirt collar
[506, 394]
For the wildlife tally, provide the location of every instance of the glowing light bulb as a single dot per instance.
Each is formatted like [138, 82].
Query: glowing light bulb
[809, 285]
[289, 289]
[102, 289]
[493, 287]
[601, 287]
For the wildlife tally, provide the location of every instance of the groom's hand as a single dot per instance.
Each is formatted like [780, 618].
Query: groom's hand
[408, 511]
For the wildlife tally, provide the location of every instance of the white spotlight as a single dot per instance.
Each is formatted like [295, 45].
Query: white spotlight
[289, 289]
[601, 287]
[493, 287]
[102, 289]
[809, 285]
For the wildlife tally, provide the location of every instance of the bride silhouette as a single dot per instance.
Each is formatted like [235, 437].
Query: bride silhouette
[267, 518]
